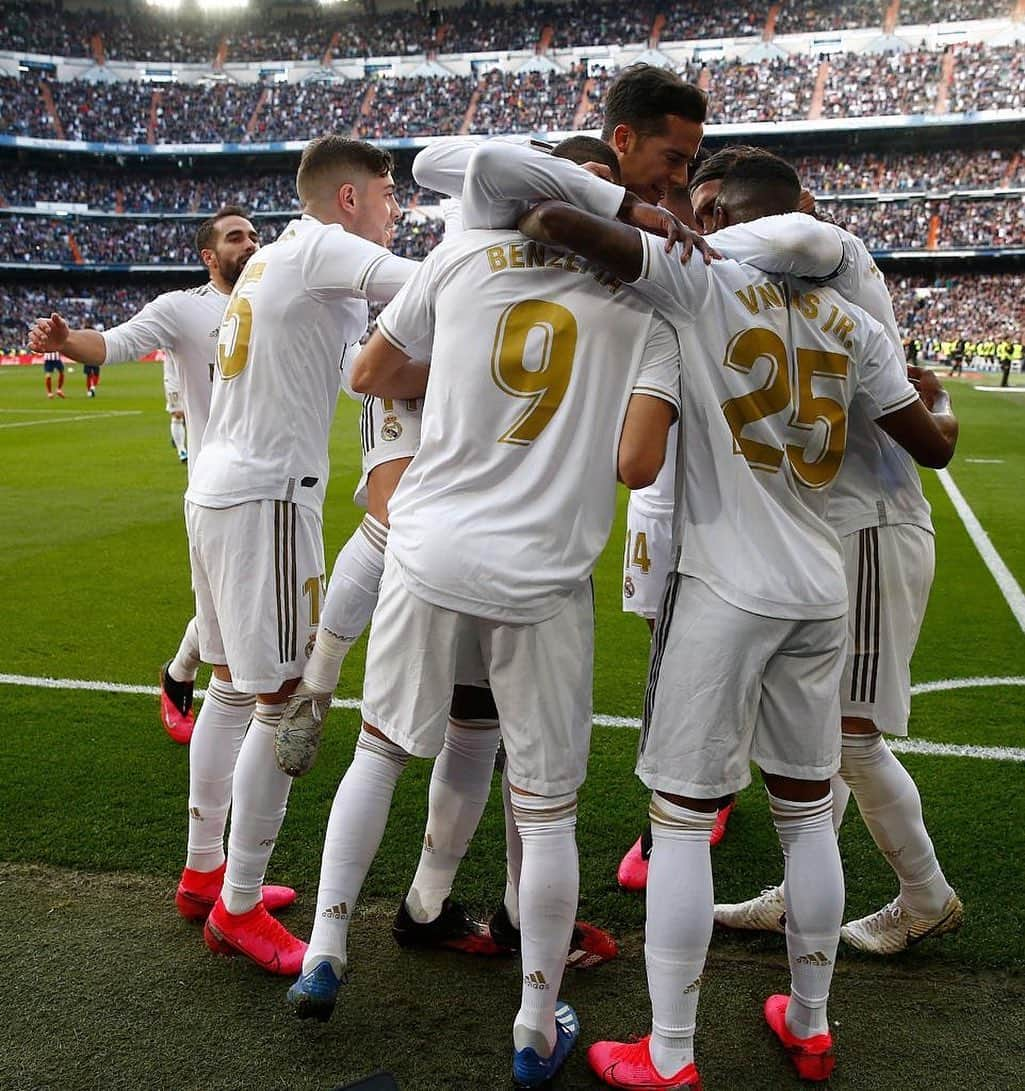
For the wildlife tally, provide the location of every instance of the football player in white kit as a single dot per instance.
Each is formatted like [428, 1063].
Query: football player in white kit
[175, 409]
[877, 507]
[749, 648]
[486, 577]
[255, 496]
[184, 323]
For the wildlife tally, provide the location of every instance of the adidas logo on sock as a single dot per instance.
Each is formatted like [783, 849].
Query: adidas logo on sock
[268, 842]
[428, 843]
[339, 912]
[692, 987]
[535, 980]
[816, 958]
[194, 813]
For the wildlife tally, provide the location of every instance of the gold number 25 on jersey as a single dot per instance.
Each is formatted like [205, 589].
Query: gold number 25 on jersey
[237, 327]
[549, 331]
[775, 395]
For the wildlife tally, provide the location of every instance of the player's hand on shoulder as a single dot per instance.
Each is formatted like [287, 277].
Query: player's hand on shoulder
[660, 221]
[48, 334]
[599, 170]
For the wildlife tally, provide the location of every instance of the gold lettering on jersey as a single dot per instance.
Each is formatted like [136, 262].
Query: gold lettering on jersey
[769, 295]
[534, 255]
[807, 303]
[749, 298]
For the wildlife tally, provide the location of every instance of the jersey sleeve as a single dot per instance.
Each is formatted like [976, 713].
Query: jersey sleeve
[793, 243]
[441, 166]
[883, 385]
[504, 179]
[659, 374]
[675, 290]
[408, 321]
[154, 327]
[339, 264]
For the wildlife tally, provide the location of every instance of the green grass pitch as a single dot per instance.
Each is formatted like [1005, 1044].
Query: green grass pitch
[106, 988]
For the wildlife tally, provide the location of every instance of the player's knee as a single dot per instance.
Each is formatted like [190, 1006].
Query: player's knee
[535, 814]
[792, 790]
[859, 754]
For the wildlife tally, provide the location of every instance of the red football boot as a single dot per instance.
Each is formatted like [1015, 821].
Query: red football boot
[628, 1064]
[812, 1057]
[176, 712]
[198, 890]
[256, 935]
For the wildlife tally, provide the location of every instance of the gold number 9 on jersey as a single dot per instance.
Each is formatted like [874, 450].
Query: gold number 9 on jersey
[549, 331]
[237, 327]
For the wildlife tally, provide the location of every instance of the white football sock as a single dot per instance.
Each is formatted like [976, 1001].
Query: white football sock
[814, 892]
[513, 855]
[220, 728]
[459, 789]
[841, 797]
[359, 815]
[178, 433]
[678, 929]
[186, 663]
[891, 806]
[258, 801]
[348, 605]
[549, 887]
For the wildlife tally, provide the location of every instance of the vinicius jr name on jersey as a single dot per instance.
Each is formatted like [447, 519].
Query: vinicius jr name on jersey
[534, 255]
[763, 297]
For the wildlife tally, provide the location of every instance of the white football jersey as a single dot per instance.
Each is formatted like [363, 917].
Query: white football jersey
[510, 498]
[767, 380]
[296, 309]
[657, 499]
[184, 324]
[879, 482]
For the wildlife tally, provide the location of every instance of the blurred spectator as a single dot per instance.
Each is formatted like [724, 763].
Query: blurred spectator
[867, 85]
[987, 78]
[416, 106]
[22, 109]
[891, 172]
[946, 308]
[527, 102]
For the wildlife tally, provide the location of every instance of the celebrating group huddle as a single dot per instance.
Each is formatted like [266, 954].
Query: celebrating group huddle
[567, 333]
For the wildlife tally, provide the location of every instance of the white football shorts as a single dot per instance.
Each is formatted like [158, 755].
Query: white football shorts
[540, 675]
[258, 575]
[889, 574]
[648, 560]
[389, 429]
[727, 688]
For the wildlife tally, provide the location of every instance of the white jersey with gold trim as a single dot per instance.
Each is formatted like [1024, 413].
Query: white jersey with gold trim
[296, 309]
[878, 483]
[509, 500]
[184, 324]
[768, 378]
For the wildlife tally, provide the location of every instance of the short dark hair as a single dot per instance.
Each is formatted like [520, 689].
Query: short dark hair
[588, 149]
[643, 94]
[760, 185]
[715, 166]
[206, 233]
[338, 155]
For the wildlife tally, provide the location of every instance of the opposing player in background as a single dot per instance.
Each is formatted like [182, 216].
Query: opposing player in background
[184, 323]
[175, 409]
[53, 364]
[253, 510]
[485, 577]
[92, 379]
[771, 634]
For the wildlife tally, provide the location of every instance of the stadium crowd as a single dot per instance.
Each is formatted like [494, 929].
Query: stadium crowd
[891, 172]
[115, 240]
[779, 89]
[473, 27]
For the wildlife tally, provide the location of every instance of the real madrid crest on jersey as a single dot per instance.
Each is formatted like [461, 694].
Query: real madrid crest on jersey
[391, 428]
[628, 587]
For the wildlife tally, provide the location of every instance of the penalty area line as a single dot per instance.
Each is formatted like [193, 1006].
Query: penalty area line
[901, 746]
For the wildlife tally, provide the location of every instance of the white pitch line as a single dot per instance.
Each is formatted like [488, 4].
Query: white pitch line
[986, 461]
[78, 416]
[903, 746]
[1008, 585]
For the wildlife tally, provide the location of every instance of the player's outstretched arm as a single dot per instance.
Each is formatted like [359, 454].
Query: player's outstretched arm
[926, 429]
[52, 335]
[791, 243]
[612, 245]
[385, 371]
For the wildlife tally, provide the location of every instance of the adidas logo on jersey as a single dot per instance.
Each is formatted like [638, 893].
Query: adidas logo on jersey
[535, 980]
[339, 912]
[816, 958]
